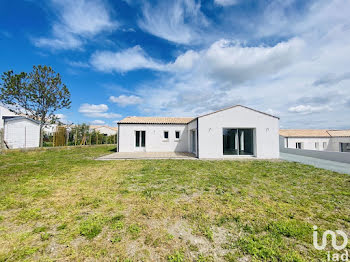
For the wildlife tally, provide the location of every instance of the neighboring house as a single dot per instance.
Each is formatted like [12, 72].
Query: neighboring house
[230, 132]
[50, 129]
[105, 130]
[21, 132]
[316, 139]
[4, 112]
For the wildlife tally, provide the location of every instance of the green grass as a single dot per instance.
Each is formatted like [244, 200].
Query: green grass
[61, 204]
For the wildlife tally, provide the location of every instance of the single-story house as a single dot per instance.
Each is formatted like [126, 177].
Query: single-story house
[105, 130]
[316, 139]
[231, 132]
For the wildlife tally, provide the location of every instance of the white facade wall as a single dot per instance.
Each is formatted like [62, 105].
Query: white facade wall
[210, 133]
[309, 143]
[155, 141]
[334, 144]
[22, 133]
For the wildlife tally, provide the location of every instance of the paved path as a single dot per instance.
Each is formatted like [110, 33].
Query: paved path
[321, 163]
[147, 155]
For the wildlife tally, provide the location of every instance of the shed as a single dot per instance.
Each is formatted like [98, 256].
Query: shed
[21, 132]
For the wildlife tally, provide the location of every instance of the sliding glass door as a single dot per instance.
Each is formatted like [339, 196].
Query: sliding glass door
[140, 140]
[238, 141]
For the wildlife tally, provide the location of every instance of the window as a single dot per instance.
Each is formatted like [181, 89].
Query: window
[324, 145]
[299, 145]
[344, 147]
[317, 145]
[177, 134]
[166, 134]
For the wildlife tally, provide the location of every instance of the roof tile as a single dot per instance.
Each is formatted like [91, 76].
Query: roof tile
[156, 120]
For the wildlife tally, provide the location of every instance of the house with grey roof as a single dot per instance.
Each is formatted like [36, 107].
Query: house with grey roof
[237, 131]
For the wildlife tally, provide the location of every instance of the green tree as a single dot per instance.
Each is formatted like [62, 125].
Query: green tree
[38, 94]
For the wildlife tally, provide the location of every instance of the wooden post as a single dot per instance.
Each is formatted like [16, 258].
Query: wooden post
[76, 136]
[2, 137]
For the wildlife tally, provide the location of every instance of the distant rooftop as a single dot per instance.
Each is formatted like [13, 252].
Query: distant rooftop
[156, 120]
[314, 133]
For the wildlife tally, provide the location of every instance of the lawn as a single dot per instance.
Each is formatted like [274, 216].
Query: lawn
[64, 205]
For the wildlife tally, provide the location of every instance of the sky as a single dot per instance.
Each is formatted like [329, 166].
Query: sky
[289, 58]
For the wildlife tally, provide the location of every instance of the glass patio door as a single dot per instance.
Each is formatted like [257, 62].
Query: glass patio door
[140, 140]
[238, 141]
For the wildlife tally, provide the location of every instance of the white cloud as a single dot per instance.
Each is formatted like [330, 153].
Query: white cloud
[226, 2]
[91, 110]
[98, 122]
[286, 75]
[177, 21]
[77, 20]
[237, 63]
[123, 61]
[61, 116]
[78, 64]
[224, 59]
[185, 61]
[124, 100]
[307, 109]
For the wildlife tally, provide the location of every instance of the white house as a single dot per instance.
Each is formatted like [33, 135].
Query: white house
[4, 112]
[316, 139]
[105, 130]
[231, 132]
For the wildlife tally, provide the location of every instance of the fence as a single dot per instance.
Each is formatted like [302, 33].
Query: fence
[2, 145]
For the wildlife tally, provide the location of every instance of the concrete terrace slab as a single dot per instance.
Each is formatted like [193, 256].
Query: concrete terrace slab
[147, 155]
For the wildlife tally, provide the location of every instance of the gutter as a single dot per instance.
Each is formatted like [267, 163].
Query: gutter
[118, 138]
[197, 137]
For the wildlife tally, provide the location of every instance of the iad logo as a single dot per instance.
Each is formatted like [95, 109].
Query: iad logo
[335, 256]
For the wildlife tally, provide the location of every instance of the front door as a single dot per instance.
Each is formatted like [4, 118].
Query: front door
[140, 140]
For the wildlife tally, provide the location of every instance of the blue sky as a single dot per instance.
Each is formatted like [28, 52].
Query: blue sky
[187, 57]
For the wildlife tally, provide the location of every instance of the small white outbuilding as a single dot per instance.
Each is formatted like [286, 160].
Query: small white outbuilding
[21, 132]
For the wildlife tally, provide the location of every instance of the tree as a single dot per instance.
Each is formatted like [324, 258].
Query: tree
[38, 94]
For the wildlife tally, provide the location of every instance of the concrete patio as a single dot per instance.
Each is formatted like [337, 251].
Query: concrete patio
[147, 155]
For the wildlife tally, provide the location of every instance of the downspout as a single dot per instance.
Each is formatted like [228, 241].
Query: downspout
[197, 137]
[118, 137]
